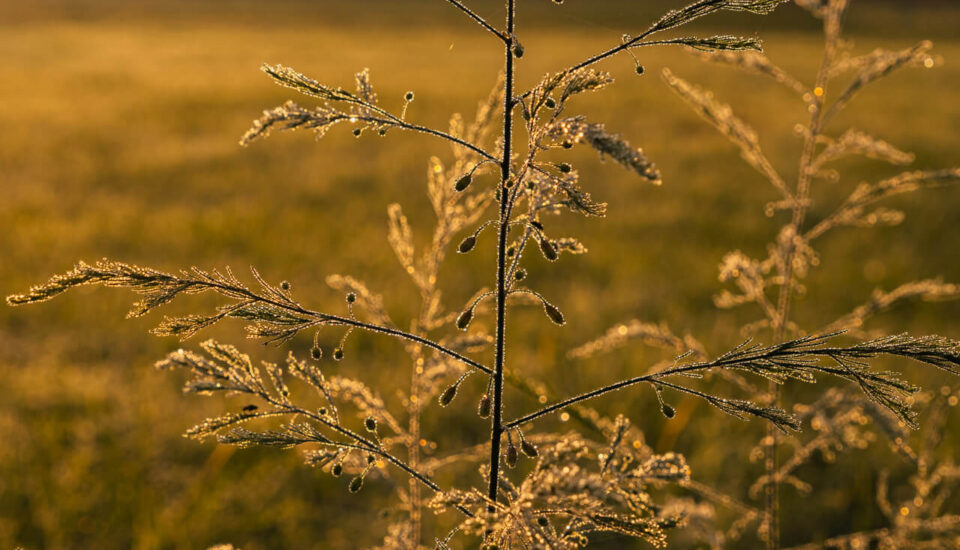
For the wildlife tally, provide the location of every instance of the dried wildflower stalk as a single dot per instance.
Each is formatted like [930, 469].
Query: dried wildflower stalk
[792, 254]
[576, 486]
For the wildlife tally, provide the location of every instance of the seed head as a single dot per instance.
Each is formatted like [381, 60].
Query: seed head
[285, 285]
[463, 321]
[448, 394]
[640, 69]
[355, 484]
[466, 245]
[550, 103]
[520, 275]
[542, 521]
[351, 297]
[528, 449]
[553, 313]
[668, 411]
[336, 470]
[338, 354]
[483, 409]
[463, 182]
[357, 132]
[408, 96]
[316, 352]
[370, 423]
[564, 167]
[512, 455]
[549, 250]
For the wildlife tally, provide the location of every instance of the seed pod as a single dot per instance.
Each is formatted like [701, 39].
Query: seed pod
[285, 285]
[351, 297]
[520, 275]
[463, 182]
[463, 321]
[382, 131]
[511, 251]
[336, 470]
[542, 521]
[483, 409]
[549, 250]
[564, 167]
[567, 145]
[536, 224]
[466, 245]
[249, 408]
[668, 411]
[528, 449]
[517, 49]
[408, 96]
[316, 352]
[355, 484]
[370, 423]
[338, 354]
[550, 103]
[357, 132]
[553, 313]
[448, 394]
[512, 455]
[640, 69]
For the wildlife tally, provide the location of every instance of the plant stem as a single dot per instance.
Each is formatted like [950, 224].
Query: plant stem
[496, 429]
[771, 491]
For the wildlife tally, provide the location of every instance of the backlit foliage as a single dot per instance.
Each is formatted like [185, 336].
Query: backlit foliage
[526, 488]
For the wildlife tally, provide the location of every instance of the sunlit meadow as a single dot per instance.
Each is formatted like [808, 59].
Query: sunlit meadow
[120, 128]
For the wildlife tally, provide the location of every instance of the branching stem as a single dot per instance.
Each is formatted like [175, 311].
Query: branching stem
[503, 228]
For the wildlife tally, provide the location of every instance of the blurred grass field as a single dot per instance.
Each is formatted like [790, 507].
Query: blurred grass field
[119, 137]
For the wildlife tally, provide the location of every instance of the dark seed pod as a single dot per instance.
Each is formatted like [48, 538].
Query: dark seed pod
[542, 521]
[517, 50]
[382, 131]
[463, 321]
[511, 252]
[357, 132]
[370, 423]
[668, 411]
[355, 484]
[338, 354]
[285, 285]
[466, 245]
[371, 459]
[483, 409]
[250, 408]
[408, 96]
[351, 297]
[463, 182]
[316, 352]
[567, 145]
[537, 224]
[520, 275]
[550, 103]
[553, 313]
[448, 394]
[564, 167]
[549, 250]
[336, 470]
[528, 449]
[512, 455]
[640, 69]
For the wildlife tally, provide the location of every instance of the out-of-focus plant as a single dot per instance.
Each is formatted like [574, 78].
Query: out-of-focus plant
[605, 479]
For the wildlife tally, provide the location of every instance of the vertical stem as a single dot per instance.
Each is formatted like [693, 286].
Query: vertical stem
[802, 196]
[496, 429]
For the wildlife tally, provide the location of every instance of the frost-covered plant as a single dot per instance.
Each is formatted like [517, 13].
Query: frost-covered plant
[605, 479]
[771, 282]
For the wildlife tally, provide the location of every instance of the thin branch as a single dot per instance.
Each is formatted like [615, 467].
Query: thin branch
[481, 21]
